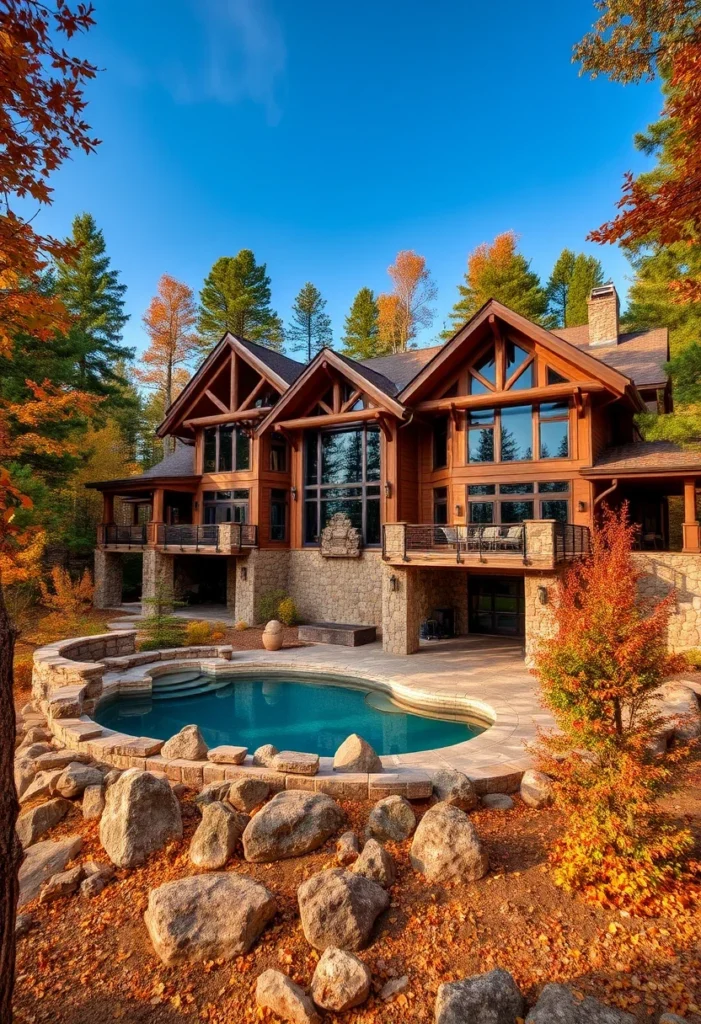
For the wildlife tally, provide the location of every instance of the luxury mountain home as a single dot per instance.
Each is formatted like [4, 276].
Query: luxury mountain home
[433, 491]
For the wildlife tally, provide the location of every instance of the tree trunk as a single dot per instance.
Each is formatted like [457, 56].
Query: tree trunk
[10, 849]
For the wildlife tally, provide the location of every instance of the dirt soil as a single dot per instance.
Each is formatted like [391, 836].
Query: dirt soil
[87, 961]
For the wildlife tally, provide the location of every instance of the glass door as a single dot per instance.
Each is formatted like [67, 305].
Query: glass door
[497, 605]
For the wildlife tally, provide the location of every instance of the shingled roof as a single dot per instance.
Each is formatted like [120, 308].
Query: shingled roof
[283, 366]
[639, 355]
[178, 463]
[401, 367]
[646, 457]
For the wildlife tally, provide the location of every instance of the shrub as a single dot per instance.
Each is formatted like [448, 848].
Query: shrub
[198, 633]
[598, 676]
[269, 604]
[693, 658]
[241, 626]
[287, 611]
[161, 628]
[68, 597]
[218, 632]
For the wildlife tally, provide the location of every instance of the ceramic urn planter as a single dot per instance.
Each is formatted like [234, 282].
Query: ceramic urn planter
[272, 636]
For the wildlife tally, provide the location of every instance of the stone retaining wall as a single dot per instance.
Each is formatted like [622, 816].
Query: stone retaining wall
[675, 572]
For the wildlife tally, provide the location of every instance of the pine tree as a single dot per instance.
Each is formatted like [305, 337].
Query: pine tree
[498, 271]
[586, 274]
[236, 298]
[91, 292]
[362, 336]
[310, 328]
[558, 287]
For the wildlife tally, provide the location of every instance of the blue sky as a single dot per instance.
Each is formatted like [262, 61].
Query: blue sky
[326, 137]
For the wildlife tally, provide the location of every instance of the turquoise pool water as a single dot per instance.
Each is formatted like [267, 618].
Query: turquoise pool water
[291, 712]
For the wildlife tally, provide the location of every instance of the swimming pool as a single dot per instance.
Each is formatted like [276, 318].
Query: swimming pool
[293, 712]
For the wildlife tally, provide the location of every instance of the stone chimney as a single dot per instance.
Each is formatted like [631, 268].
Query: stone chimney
[603, 310]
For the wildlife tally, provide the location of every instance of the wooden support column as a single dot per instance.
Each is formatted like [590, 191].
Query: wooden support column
[692, 531]
[157, 508]
[107, 507]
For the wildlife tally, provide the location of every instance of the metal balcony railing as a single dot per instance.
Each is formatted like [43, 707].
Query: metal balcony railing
[462, 539]
[185, 535]
[249, 535]
[131, 536]
[571, 541]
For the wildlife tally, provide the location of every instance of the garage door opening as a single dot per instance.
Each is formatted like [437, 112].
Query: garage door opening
[497, 605]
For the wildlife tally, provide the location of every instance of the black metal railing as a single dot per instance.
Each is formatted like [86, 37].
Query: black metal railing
[471, 539]
[185, 535]
[249, 535]
[132, 536]
[571, 541]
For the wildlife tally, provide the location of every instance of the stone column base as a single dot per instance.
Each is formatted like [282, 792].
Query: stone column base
[158, 579]
[108, 579]
[401, 609]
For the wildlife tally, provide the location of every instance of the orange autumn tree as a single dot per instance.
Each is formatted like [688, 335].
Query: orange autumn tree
[598, 675]
[41, 122]
[631, 41]
[405, 310]
[169, 322]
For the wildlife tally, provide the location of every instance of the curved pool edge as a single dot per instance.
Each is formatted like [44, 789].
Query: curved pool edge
[495, 760]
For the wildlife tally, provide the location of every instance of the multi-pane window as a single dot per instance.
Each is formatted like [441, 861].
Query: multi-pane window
[278, 514]
[226, 449]
[554, 430]
[440, 505]
[440, 442]
[514, 502]
[342, 474]
[278, 455]
[519, 368]
[509, 434]
[226, 506]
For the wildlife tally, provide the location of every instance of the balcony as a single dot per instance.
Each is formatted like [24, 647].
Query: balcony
[535, 544]
[183, 538]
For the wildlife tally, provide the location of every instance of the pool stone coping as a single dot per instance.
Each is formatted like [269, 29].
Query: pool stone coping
[495, 760]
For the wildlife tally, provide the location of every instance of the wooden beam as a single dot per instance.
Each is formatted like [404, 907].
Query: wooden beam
[227, 417]
[215, 401]
[290, 438]
[552, 393]
[248, 402]
[337, 403]
[352, 400]
[385, 428]
[334, 420]
[325, 407]
[234, 381]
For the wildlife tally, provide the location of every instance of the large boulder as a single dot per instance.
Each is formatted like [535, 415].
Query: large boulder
[207, 917]
[338, 908]
[264, 756]
[356, 755]
[558, 1005]
[43, 860]
[340, 981]
[217, 835]
[188, 744]
[392, 818]
[276, 992]
[453, 787]
[292, 824]
[34, 823]
[375, 863]
[536, 789]
[446, 846]
[141, 815]
[42, 785]
[93, 802]
[76, 778]
[245, 794]
[492, 998]
[25, 771]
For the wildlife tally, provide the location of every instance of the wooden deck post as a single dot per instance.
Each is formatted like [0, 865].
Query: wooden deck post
[692, 531]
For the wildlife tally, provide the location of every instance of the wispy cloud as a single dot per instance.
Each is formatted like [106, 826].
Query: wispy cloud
[222, 50]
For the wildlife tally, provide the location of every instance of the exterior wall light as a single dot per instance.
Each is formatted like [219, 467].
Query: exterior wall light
[458, 510]
[581, 506]
[244, 573]
[393, 583]
[293, 492]
[543, 595]
[388, 489]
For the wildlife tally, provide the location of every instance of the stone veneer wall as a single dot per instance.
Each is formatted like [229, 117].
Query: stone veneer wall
[158, 569]
[336, 589]
[108, 579]
[540, 618]
[261, 570]
[401, 609]
[667, 571]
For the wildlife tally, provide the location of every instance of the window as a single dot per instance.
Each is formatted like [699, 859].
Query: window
[440, 505]
[278, 455]
[278, 514]
[517, 363]
[342, 474]
[440, 442]
[554, 430]
[514, 502]
[225, 449]
[516, 433]
[480, 435]
[225, 506]
[554, 377]
[484, 373]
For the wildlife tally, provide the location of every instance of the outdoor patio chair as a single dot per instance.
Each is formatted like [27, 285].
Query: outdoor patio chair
[450, 535]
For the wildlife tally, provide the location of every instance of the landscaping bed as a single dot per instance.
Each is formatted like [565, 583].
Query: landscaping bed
[90, 960]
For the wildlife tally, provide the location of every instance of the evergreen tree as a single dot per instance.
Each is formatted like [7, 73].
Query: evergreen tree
[558, 287]
[652, 301]
[569, 287]
[362, 336]
[498, 271]
[91, 292]
[310, 328]
[236, 298]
